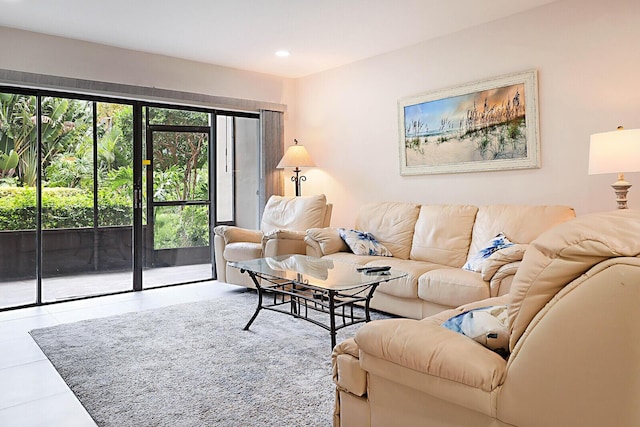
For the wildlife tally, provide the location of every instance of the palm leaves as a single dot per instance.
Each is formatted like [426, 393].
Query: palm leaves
[60, 121]
[15, 126]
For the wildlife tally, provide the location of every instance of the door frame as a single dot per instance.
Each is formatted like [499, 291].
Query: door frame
[154, 257]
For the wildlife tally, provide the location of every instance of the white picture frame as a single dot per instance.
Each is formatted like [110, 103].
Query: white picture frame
[488, 125]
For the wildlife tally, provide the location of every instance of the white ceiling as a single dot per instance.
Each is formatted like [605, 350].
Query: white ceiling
[244, 34]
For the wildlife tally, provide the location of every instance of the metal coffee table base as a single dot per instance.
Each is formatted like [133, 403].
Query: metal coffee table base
[302, 301]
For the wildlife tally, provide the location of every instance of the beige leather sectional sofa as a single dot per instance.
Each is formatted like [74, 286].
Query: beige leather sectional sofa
[432, 243]
[574, 341]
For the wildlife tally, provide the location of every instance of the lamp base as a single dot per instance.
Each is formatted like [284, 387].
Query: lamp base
[297, 180]
[621, 188]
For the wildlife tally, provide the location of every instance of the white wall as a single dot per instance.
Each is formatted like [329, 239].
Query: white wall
[58, 56]
[587, 56]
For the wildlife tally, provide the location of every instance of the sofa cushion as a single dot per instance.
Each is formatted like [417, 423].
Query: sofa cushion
[392, 223]
[352, 258]
[475, 263]
[452, 287]
[308, 266]
[294, 213]
[443, 234]
[363, 243]
[521, 223]
[562, 254]
[404, 287]
[241, 251]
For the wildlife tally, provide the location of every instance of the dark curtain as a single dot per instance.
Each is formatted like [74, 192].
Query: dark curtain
[272, 150]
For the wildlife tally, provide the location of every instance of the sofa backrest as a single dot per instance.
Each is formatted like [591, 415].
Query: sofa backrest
[443, 234]
[295, 213]
[562, 254]
[391, 223]
[520, 223]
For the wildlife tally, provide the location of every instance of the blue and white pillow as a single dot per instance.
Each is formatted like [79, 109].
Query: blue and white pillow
[486, 325]
[363, 243]
[499, 242]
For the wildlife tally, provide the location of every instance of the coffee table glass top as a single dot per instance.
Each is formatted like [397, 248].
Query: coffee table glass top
[319, 272]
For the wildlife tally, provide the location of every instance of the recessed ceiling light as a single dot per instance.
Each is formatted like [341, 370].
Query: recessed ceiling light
[283, 53]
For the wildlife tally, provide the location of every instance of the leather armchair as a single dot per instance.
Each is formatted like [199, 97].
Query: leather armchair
[282, 230]
[574, 342]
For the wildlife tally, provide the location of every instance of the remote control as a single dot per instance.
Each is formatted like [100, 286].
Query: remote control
[374, 269]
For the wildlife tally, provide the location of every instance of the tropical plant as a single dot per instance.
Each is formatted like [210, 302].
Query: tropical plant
[177, 148]
[15, 130]
[107, 148]
[119, 181]
[181, 227]
[71, 172]
[63, 122]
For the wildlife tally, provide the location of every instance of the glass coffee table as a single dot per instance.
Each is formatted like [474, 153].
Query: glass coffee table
[313, 288]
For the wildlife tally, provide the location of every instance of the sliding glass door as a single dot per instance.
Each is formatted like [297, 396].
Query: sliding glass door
[85, 185]
[18, 201]
[99, 197]
[178, 203]
[66, 198]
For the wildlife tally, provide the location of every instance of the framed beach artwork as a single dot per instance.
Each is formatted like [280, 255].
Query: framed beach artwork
[482, 126]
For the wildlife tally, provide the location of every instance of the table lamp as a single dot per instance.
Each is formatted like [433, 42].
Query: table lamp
[616, 152]
[296, 156]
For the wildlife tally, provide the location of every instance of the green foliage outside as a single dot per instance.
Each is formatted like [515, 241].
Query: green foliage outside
[179, 159]
[67, 155]
[170, 116]
[61, 208]
[181, 227]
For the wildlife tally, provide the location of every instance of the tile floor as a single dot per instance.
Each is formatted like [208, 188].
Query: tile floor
[31, 391]
[23, 292]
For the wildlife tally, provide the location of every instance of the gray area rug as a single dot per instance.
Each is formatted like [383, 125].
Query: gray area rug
[193, 365]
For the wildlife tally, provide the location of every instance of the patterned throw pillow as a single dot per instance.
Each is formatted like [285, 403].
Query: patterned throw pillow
[363, 243]
[499, 242]
[486, 325]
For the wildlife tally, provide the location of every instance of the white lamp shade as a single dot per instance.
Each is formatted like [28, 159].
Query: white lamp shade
[615, 152]
[295, 156]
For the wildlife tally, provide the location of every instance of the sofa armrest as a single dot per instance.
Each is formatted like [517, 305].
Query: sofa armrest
[284, 234]
[232, 234]
[312, 247]
[500, 283]
[502, 257]
[324, 241]
[425, 346]
[347, 373]
[282, 242]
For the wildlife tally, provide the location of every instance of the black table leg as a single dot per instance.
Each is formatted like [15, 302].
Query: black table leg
[332, 318]
[366, 303]
[259, 289]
